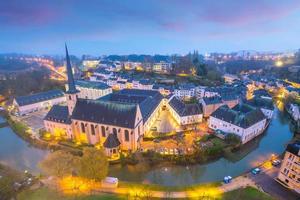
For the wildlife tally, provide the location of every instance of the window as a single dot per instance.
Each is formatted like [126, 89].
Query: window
[139, 130]
[115, 131]
[92, 129]
[103, 131]
[82, 127]
[126, 135]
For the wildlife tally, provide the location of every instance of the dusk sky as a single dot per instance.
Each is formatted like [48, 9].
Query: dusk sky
[100, 27]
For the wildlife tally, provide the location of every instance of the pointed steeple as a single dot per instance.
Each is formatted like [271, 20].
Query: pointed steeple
[71, 83]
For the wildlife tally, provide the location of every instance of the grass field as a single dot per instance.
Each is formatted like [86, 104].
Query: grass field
[47, 194]
[247, 193]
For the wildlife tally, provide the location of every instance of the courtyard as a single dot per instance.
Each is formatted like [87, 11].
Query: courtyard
[34, 120]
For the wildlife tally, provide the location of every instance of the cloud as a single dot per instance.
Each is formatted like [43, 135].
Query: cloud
[24, 13]
[237, 13]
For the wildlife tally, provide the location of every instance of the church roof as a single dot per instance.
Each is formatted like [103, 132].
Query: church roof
[58, 114]
[105, 112]
[147, 100]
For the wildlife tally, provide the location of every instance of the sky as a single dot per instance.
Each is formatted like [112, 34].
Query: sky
[103, 27]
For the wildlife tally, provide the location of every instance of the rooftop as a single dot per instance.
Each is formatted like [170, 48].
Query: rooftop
[261, 103]
[105, 112]
[294, 148]
[147, 100]
[39, 97]
[58, 114]
[241, 115]
[92, 84]
[185, 109]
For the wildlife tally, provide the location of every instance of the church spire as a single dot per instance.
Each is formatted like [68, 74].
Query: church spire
[71, 83]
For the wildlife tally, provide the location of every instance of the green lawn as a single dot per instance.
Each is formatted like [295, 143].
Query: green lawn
[47, 194]
[248, 193]
[168, 188]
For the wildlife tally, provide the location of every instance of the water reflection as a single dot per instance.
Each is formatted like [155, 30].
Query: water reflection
[17, 153]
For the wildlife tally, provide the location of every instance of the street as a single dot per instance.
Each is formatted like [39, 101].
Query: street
[265, 180]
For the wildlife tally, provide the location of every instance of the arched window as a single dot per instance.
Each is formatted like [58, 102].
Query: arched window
[126, 135]
[82, 127]
[93, 129]
[115, 131]
[103, 131]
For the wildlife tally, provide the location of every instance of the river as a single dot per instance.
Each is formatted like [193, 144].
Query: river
[17, 153]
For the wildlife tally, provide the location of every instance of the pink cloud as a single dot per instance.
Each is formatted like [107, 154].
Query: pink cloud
[25, 13]
[246, 12]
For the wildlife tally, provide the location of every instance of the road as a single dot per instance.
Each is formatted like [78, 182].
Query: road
[265, 180]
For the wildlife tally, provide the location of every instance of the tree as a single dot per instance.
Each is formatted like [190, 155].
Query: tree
[60, 163]
[93, 164]
[232, 138]
[201, 69]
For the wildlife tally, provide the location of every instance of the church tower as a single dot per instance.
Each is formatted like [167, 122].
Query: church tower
[72, 92]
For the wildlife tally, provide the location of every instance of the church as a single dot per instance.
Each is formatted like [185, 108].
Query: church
[116, 121]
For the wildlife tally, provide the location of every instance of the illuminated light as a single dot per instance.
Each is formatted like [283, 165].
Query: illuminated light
[278, 63]
[77, 185]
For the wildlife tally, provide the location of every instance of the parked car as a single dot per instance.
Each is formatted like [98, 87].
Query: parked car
[255, 171]
[276, 162]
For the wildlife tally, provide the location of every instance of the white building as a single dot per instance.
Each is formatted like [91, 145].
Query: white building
[38, 101]
[185, 91]
[145, 84]
[103, 73]
[294, 110]
[242, 120]
[90, 63]
[184, 114]
[91, 90]
[162, 67]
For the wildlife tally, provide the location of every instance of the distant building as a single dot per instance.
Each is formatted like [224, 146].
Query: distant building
[103, 73]
[294, 111]
[211, 104]
[91, 90]
[289, 174]
[162, 67]
[38, 101]
[185, 114]
[242, 120]
[230, 78]
[262, 93]
[90, 63]
[185, 91]
[145, 84]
